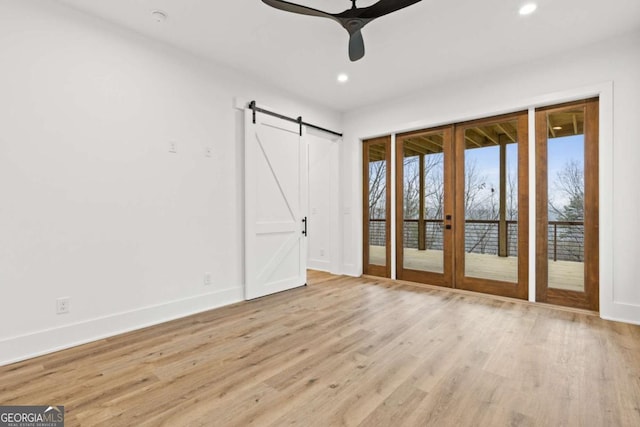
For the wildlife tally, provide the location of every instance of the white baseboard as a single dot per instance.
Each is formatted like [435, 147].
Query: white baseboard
[320, 265]
[620, 312]
[632, 321]
[24, 347]
[351, 270]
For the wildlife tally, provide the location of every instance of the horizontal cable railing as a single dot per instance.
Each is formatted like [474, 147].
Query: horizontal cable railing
[566, 241]
[566, 238]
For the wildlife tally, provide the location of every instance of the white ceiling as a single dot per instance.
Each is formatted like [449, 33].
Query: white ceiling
[415, 47]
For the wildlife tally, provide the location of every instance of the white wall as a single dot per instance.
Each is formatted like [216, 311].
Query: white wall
[610, 69]
[92, 204]
[324, 199]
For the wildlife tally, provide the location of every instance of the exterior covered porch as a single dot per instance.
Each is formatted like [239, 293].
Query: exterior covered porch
[567, 275]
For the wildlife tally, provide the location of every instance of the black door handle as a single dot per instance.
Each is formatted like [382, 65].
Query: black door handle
[304, 221]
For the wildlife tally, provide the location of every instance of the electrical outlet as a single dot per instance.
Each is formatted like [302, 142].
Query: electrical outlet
[321, 252]
[207, 279]
[173, 147]
[62, 305]
[208, 152]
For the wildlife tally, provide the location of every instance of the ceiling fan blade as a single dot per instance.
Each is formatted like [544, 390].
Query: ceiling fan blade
[296, 8]
[384, 7]
[356, 46]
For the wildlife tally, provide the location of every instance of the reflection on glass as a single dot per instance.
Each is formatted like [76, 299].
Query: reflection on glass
[565, 157]
[377, 204]
[423, 202]
[491, 202]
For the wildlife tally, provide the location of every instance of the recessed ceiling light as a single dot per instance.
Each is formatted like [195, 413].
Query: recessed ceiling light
[159, 16]
[528, 9]
[343, 78]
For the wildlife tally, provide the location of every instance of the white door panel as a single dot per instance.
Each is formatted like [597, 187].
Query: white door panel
[275, 205]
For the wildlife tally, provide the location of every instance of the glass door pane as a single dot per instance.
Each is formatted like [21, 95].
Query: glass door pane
[376, 206]
[565, 204]
[423, 202]
[491, 201]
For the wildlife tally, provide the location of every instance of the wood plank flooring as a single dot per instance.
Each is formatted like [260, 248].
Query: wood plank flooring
[349, 351]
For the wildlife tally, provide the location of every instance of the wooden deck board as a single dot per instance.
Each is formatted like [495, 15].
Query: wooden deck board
[349, 351]
[562, 274]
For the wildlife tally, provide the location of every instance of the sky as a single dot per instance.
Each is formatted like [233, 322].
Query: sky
[560, 152]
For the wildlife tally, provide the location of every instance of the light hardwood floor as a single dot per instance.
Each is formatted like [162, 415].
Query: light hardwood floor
[349, 351]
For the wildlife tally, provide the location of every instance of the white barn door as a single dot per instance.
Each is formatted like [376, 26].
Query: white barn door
[275, 206]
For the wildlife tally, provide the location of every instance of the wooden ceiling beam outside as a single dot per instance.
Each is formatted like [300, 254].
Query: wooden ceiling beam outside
[422, 146]
[410, 153]
[477, 145]
[506, 132]
[435, 138]
[470, 137]
[491, 136]
[377, 152]
[550, 126]
[379, 148]
[436, 146]
[420, 149]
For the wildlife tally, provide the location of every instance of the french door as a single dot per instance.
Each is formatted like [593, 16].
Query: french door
[424, 206]
[462, 205]
[567, 262]
[492, 206]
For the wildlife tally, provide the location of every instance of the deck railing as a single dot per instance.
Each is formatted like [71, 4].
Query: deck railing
[566, 238]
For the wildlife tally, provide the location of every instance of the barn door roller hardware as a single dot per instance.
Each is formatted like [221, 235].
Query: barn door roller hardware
[255, 109]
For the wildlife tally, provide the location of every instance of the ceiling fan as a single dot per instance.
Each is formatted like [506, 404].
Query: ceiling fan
[352, 20]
